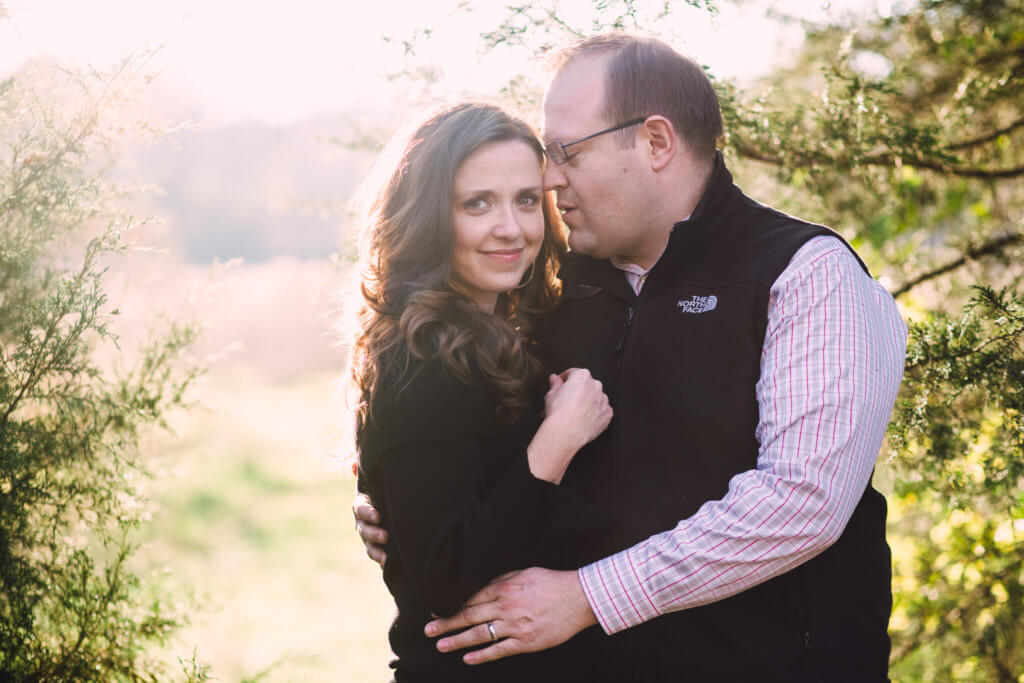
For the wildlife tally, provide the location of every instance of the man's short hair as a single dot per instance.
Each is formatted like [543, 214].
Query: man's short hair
[645, 77]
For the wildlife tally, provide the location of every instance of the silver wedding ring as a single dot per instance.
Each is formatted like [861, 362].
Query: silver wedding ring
[490, 629]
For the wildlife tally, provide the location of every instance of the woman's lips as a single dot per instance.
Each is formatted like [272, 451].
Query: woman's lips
[505, 255]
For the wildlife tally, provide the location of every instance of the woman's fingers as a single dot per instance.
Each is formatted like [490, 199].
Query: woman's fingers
[577, 374]
[555, 381]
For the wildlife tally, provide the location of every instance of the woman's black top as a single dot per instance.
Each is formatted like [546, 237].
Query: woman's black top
[455, 492]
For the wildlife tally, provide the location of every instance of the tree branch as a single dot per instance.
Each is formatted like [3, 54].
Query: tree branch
[988, 137]
[963, 171]
[807, 158]
[993, 246]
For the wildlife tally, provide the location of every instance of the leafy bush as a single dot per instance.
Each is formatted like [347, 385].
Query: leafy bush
[70, 606]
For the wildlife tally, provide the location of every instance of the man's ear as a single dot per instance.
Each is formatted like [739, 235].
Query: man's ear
[660, 138]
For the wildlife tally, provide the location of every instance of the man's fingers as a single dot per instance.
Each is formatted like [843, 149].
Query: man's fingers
[364, 511]
[471, 615]
[479, 609]
[371, 534]
[376, 553]
[499, 579]
[488, 593]
[477, 635]
[502, 648]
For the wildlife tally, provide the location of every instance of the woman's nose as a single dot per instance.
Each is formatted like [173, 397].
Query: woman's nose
[508, 223]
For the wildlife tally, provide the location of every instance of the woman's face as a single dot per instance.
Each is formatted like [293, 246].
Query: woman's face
[497, 218]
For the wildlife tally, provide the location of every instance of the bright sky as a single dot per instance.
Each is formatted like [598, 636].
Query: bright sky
[281, 62]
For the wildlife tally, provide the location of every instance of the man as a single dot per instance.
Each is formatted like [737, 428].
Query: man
[752, 364]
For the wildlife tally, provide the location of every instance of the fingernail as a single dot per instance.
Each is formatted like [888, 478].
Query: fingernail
[443, 645]
[431, 629]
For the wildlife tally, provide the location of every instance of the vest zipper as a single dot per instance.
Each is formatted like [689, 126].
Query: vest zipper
[625, 330]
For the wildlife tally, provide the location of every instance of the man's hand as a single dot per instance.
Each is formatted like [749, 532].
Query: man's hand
[529, 610]
[367, 519]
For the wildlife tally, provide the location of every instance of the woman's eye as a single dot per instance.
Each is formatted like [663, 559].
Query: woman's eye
[476, 204]
[528, 199]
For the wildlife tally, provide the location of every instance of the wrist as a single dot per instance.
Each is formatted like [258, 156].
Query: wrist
[565, 434]
[549, 453]
[584, 613]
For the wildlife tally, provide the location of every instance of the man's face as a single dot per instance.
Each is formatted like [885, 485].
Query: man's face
[599, 187]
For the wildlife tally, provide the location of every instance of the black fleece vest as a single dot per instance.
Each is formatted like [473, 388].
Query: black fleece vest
[680, 363]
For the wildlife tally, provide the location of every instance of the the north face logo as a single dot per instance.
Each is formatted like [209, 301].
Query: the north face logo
[698, 304]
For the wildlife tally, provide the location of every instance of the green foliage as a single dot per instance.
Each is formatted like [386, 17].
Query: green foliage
[912, 157]
[964, 405]
[958, 437]
[70, 606]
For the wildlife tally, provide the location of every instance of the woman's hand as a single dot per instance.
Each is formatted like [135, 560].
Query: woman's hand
[577, 403]
[577, 410]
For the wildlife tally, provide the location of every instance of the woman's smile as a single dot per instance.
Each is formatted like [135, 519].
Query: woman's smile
[505, 255]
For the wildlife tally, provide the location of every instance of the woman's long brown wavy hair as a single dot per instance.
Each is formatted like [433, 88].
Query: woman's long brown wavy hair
[410, 307]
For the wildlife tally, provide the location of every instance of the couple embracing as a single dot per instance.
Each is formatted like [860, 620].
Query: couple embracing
[641, 455]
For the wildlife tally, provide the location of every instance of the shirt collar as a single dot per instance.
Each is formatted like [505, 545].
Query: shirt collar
[638, 273]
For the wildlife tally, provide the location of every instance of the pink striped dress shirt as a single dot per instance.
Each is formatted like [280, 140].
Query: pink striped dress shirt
[830, 368]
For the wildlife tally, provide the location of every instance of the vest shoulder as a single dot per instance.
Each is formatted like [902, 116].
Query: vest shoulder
[770, 222]
[765, 239]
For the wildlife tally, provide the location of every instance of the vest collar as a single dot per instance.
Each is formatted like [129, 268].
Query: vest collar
[691, 238]
[578, 270]
[688, 241]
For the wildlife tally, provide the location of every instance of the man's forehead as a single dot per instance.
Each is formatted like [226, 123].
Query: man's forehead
[573, 98]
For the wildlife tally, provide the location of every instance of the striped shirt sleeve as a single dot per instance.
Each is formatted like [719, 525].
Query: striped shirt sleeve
[830, 368]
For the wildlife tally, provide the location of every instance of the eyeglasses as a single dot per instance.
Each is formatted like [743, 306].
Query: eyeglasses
[557, 151]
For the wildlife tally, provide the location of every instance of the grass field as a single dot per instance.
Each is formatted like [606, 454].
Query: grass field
[253, 518]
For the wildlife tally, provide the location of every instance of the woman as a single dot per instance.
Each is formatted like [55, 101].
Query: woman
[460, 247]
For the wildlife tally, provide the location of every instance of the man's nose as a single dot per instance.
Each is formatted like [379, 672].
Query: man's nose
[554, 178]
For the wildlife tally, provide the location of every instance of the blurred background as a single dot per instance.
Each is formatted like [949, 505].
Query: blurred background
[244, 130]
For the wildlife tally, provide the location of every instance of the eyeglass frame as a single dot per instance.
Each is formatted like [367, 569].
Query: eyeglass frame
[562, 147]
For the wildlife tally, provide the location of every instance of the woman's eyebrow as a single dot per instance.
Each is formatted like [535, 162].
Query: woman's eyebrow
[474, 192]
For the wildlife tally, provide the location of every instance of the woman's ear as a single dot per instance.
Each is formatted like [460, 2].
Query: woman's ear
[660, 138]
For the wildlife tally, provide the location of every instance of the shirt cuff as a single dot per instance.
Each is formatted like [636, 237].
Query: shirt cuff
[616, 594]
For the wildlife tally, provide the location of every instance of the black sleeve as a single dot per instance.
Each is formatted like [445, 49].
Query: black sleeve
[361, 485]
[453, 533]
